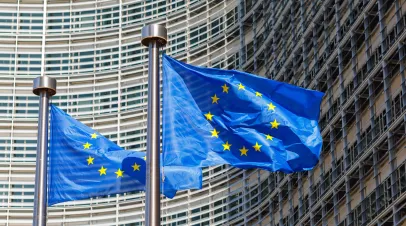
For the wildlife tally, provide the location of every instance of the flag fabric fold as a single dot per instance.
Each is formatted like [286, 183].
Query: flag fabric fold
[213, 116]
[84, 164]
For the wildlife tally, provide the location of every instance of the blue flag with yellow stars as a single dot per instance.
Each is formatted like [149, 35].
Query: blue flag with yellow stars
[213, 116]
[84, 164]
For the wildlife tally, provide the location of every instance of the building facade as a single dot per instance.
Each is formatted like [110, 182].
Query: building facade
[353, 50]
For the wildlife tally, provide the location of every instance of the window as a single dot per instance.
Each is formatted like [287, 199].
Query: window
[216, 26]
[401, 178]
[235, 204]
[58, 22]
[108, 18]
[380, 124]
[178, 42]
[232, 17]
[397, 105]
[131, 54]
[197, 35]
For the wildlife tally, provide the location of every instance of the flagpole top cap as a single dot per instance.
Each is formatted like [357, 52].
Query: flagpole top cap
[44, 83]
[154, 32]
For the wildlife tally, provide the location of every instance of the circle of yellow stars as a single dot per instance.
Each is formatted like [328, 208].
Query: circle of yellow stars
[215, 133]
[103, 171]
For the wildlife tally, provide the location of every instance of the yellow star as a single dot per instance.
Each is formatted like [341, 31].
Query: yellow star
[225, 88]
[244, 151]
[215, 99]
[240, 86]
[269, 137]
[209, 116]
[226, 146]
[275, 124]
[215, 133]
[94, 136]
[271, 107]
[258, 94]
[145, 158]
[86, 146]
[119, 173]
[102, 171]
[257, 147]
[136, 167]
[90, 160]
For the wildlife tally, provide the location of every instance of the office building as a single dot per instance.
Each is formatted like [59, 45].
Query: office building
[352, 50]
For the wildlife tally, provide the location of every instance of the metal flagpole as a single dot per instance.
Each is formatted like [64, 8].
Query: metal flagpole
[44, 87]
[153, 36]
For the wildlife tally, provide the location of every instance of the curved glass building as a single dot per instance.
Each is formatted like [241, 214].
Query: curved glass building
[351, 50]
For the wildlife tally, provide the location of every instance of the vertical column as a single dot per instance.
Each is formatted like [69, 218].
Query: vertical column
[371, 106]
[267, 16]
[347, 162]
[323, 190]
[358, 122]
[311, 201]
[402, 74]
[294, 53]
[260, 197]
[44, 35]
[119, 93]
[336, 211]
[245, 195]
[376, 178]
[273, 22]
[382, 27]
[332, 153]
[388, 101]
[348, 200]
[280, 201]
[271, 215]
[290, 197]
[386, 79]
[401, 50]
[358, 125]
[302, 16]
[300, 189]
[293, 33]
[355, 84]
[241, 13]
[315, 49]
[345, 141]
[254, 31]
[329, 91]
[341, 80]
[367, 42]
[362, 191]
[284, 38]
[292, 22]
[323, 213]
[314, 8]
[339, 50]
[304, 50]
[350, 4]
[399, 23]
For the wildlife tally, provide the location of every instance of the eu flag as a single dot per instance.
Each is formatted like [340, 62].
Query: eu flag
[84, 164]
[213, 116]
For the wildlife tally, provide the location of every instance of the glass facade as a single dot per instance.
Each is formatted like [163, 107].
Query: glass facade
[351, 50]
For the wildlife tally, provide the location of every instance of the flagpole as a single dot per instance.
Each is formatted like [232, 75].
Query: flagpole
[44, 87]
[154, 36]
